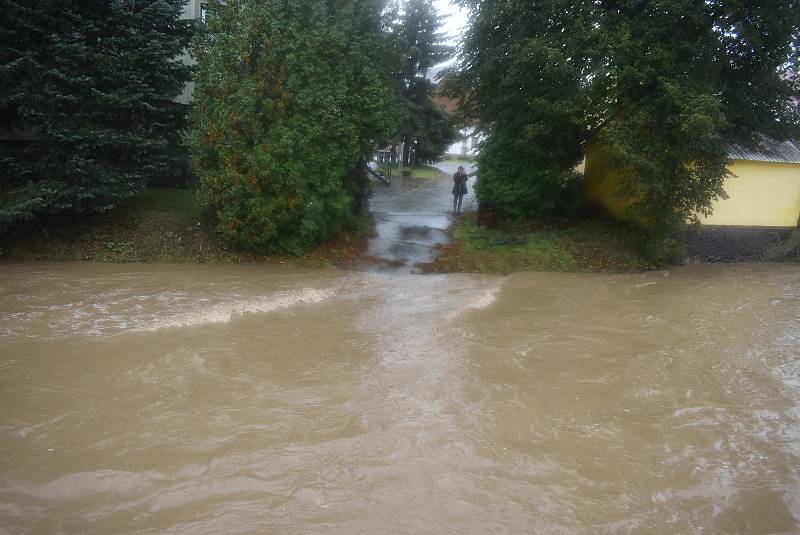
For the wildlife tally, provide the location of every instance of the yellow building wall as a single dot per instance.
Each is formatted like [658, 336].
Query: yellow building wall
[601, 179]
[761, 194]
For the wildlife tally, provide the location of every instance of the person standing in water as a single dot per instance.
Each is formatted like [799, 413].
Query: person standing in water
[459, 188]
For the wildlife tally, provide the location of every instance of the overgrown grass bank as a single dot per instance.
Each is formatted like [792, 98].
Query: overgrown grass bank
[163, 226]
[469, 160]
[426, 172]
[590, 245]
[166, 226]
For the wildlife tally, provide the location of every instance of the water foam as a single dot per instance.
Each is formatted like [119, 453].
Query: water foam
[225, 312]
[484, 299]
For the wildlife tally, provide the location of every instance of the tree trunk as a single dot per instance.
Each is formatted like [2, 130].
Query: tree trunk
[406, 156]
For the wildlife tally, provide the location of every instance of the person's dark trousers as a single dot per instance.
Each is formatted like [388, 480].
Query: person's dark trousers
[457, 202]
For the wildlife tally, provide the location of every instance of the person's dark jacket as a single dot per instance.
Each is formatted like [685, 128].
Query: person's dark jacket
[460, 184]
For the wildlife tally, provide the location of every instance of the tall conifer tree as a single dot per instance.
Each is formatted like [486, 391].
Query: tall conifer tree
[87, 106]
[88, 86]
[426, 129]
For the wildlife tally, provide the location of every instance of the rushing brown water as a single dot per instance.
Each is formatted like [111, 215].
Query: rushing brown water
[243, 400]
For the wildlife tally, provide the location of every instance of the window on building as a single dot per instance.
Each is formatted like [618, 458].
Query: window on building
[203, 11]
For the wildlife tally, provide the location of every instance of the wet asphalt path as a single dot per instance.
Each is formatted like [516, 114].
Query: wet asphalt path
[411, 217]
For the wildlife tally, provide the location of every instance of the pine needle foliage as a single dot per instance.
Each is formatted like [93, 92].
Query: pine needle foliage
[290, 97]
[87, 110]
[425, 128]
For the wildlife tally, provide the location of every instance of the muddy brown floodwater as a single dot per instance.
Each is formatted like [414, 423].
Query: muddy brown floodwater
[158, 399]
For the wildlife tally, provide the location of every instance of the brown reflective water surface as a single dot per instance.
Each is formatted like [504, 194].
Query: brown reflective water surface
[159, 399]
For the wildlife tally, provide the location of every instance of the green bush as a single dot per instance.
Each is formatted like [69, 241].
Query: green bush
[665, 87]
[521, 185]
[289, 98]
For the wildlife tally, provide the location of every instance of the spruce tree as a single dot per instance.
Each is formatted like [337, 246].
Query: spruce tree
[87, 106]
[426, 129]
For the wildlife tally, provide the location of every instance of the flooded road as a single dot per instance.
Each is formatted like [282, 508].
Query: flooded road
[186, 399]
[411, 217]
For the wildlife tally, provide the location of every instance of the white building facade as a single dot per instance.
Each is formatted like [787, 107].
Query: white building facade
[469, 145]
[195, 10]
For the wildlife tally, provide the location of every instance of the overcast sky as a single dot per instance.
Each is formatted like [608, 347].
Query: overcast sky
[457, 20]
[453, 27]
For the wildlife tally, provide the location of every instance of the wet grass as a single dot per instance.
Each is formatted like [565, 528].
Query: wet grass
[586, 245]
[162, 226]
[458, 159]
[177, 204]
[166, 226]
[425, 172]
